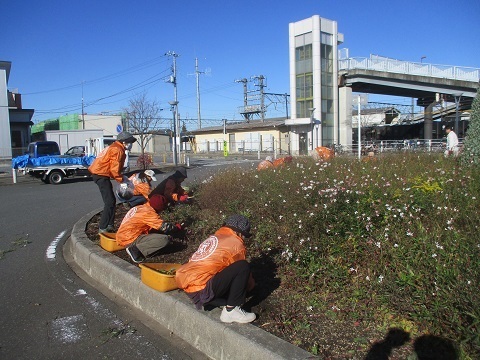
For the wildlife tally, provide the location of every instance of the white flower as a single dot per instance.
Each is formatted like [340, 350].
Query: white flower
[367, 278]
[434, 255]
[380, 278]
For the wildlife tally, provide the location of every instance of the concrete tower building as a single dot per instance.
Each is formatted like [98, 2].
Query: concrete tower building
[313, 53]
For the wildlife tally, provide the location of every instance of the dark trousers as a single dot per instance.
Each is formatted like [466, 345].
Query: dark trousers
[106, 189]
[231, 283]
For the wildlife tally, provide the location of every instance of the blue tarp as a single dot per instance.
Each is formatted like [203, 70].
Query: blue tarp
[24, 161]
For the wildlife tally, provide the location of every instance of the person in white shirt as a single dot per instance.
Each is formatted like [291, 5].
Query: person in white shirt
[452, 142]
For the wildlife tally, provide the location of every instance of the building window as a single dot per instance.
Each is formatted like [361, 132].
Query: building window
[304, 74]
[326, 58]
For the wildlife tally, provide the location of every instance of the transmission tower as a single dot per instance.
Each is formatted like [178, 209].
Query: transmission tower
[253, 100]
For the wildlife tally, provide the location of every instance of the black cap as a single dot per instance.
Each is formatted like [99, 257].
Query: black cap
[181, 172]
[239, 223]
[126, 137]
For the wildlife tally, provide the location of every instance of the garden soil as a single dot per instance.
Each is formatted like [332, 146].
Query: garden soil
[277, 312]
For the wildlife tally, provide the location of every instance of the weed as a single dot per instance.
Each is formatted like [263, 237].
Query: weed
[394, 241]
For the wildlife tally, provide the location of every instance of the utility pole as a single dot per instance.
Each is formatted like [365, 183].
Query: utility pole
[262, 97]
[286, 105]
[197, 75]
[174, 104]
[83, 112]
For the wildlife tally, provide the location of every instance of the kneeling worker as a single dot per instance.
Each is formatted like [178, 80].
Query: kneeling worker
[143, 231]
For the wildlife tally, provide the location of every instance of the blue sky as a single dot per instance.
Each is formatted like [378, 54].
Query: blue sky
[116, 49]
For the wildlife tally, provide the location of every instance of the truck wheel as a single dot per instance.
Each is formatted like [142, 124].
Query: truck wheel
[55, 177]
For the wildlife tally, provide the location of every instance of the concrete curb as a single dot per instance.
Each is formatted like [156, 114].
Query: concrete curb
[174, 310]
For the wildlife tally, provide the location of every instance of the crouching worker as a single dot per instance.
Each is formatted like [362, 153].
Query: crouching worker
[142, 183]
[217, 273]
[171, 187]
[143, 231]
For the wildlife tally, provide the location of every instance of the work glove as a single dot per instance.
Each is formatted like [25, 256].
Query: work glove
[183, 198]
[123, 186]
[168, 228]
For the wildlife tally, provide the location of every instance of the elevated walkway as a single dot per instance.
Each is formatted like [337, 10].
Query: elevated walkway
[381, 75]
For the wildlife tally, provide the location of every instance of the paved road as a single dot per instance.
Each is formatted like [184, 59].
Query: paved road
[47, 310]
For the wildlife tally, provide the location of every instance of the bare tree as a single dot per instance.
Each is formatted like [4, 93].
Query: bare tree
[143, 117]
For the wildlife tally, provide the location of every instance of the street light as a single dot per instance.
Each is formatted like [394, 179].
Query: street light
[312, 121]
[458, 97]
[421, 59]
[173, 108]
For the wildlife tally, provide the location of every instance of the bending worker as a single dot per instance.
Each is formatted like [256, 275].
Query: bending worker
[219, 273]
[171, 187]
[109, 164]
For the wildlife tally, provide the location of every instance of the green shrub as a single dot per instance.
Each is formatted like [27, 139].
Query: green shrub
[471, 150]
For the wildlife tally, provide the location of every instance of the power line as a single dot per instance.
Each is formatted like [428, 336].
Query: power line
[104, 78]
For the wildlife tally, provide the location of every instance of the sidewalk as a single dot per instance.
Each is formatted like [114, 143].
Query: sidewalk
[173, 310]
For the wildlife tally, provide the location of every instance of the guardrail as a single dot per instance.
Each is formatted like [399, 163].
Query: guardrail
[410, 68]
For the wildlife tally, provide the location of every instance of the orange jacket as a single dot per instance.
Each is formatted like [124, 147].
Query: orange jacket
[138, 220]
[324, 153]
[110, 162]
[265, 164]
[140, 187]
[213, 255]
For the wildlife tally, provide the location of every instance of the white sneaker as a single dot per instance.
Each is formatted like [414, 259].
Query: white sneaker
[237, 315]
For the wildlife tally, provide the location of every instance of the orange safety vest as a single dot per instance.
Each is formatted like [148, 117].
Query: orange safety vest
[109, 162]
[213, 255]
[140, 187]
[265, 164]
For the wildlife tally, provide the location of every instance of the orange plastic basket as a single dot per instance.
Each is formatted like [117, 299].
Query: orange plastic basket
[108, 242]
[156, 280]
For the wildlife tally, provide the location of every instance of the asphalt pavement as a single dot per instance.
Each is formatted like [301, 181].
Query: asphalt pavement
[48, 310]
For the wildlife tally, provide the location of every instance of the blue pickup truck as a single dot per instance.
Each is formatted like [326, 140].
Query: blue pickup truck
[43, 161]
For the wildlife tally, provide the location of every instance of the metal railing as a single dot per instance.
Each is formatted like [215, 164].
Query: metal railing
[410, 68]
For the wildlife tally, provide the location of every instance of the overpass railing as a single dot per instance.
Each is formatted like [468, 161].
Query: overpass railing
[412, 68]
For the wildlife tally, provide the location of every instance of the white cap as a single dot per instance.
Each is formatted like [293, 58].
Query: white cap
[151, 174]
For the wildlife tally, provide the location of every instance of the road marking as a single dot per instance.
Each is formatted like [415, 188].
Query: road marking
[69, 330]
[52, 248]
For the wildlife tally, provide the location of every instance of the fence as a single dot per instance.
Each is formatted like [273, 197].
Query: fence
[242, 147]
[411, 68]
[385, 146]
